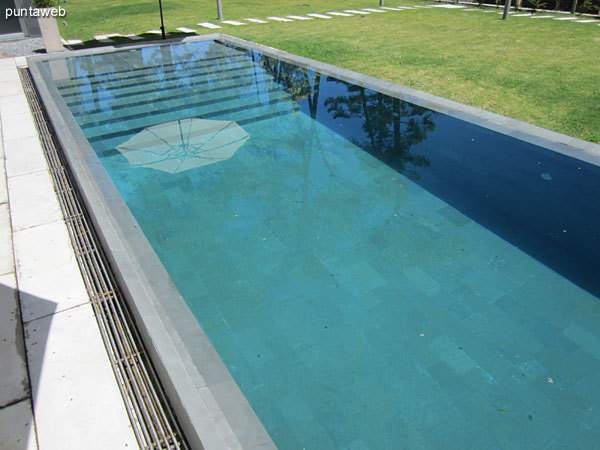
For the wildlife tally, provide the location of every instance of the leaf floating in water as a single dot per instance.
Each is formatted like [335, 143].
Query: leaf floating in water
[503, 411]
[550, 380]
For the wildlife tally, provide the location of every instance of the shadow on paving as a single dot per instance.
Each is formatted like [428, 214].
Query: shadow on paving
[16, 415]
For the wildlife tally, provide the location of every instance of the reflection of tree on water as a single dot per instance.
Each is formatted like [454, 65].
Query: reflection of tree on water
[391, 125]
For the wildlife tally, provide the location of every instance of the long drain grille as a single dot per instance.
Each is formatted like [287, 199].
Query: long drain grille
[153, 422]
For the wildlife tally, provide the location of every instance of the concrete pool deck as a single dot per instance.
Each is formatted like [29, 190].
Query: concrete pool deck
[57, 388]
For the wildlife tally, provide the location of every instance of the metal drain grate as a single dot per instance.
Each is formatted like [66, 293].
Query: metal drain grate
[153, 422]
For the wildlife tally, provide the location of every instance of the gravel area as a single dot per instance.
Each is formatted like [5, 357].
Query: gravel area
[21, 47]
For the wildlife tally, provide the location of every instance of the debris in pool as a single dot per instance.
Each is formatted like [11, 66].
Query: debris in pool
[546, 176]
[530, 417]
[550, 380]
[422, 334]
[503, 410]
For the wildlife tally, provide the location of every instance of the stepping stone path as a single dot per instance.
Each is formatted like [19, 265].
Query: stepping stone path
[106, 38]
[279, 19]
[319, 16]
[233, 22]
[212, 26]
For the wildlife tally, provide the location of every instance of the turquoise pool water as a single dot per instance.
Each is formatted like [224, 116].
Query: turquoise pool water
[373, 274]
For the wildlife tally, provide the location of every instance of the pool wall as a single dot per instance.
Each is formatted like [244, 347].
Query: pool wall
[212, 410]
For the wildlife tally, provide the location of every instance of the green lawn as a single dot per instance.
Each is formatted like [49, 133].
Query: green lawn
[543, 71]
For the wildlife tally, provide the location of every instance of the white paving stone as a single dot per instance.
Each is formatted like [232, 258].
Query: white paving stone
[252, 19]
[32, 200]
[133, 37]
[73, 385]
[233, 22]
[47, 271]
[111, 35]
[105, 41]
[14, 382]
[24, 156]
[17, 126]
[17, 431]
[212, 26]
[9, 75]
[541, 17]
[341, 14]
[186, 30]
[279, 19]
[447, 6]
[300, 17]
[586, 21]
[155, 32]
[565, 18]
[354, 11]
[7, 262]
[319, 16]
[522, 15]
[374, 10]
[7, 64]
[74, 41]
[391, 8]
[10, 88]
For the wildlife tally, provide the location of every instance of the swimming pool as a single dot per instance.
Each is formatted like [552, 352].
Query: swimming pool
[372, 272]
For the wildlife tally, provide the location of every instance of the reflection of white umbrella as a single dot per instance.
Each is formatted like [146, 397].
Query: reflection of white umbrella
[183, 144]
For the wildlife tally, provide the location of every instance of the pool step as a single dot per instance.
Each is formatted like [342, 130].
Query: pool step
[155, 79]
[114, 74]
[184, 101]
[107, 137]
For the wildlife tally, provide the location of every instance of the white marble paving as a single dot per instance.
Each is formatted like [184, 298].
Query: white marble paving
[233, 22]
[186, 30]
[212, 26]
[252, 19]
[300, 17]
[341, 14]
[279, 19]
[354, 11]
[319, 16]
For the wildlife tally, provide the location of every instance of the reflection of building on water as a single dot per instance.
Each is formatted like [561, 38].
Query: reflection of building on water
[183, 144]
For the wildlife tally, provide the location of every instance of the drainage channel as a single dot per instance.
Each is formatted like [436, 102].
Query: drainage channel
[152, 420]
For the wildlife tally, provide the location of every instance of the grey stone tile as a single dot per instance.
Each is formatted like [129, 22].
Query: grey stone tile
[17, 431]
[14, 384]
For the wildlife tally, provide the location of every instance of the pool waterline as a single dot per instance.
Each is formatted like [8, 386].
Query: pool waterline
[133, 256]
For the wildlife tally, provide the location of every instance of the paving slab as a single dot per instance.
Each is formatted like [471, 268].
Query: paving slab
[17, 126]
[9, 75]
[7, 64]
[17, 431]
[24, 156]
[522, 15]
[300, 17]
[7, 261]
[252, 19]
[586, 21]
[14, 104]
[159, 32]
[133, 37]
[541, 17]
[76, 390]
[186, 30]
[32, 200]
[374, 10]
[354, 11]
[319, 16]
[14, 381]
[279, 19]
[341, 14]
[10, 88]
[565, 18]
[391, 8]
[47, 271]
[233, 22]
[208, 25]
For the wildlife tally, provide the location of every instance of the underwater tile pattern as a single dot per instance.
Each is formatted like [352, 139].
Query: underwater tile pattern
[364, 277]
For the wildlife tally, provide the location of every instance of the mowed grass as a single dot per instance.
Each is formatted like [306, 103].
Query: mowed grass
[543, 71]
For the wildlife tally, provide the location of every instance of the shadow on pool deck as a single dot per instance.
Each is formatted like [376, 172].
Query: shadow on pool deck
[16, 396]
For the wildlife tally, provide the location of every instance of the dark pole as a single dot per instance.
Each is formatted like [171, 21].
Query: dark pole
[506, 8]
[219, 10]
[380, 2]
[162, 21]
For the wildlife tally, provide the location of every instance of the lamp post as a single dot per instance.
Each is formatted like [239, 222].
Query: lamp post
[162, 21]
[219, 10]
